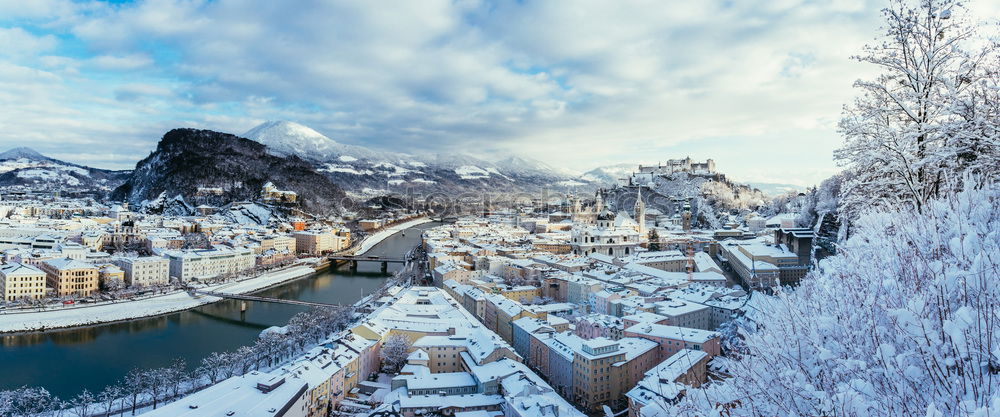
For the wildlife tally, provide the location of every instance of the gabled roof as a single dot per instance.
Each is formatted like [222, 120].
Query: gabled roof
[67, 263]
[16, 269]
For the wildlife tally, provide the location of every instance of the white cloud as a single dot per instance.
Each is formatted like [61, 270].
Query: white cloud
[752, 83]
[121, 63]
[17, 42]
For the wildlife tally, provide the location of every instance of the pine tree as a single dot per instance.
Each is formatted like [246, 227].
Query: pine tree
[654, 241]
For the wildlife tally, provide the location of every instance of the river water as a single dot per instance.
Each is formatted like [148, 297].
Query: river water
[67, 361]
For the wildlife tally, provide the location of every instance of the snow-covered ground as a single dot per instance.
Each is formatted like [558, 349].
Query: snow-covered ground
[471, 172]
[374, 239]
[126, 310]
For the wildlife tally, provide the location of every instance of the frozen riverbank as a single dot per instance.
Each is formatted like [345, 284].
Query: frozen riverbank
[381, 235]
[64, 317]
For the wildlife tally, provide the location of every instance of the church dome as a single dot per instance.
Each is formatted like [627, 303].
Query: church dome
[606, 215]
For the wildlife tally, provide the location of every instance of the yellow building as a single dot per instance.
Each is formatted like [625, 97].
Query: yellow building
[604, 369]
[71, 277]
[318, 242]
[500, 312]
[521, 294]
[278, 243]
[18, 281]
[110, 276]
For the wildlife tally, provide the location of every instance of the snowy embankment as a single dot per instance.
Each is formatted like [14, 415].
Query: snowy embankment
[381, 235]
[61, 317]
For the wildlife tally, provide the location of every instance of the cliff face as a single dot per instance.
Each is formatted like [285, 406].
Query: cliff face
[189, 162]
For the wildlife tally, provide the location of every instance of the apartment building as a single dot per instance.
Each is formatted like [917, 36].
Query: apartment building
[19, 281]
[144, 271]
[277, 243]
[313, 242]
[605, 369]
[70, 277]
[519, 293]
[186, 265]
[684, 313]
[673, 339]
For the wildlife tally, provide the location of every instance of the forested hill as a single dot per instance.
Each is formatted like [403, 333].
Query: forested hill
[186, 160]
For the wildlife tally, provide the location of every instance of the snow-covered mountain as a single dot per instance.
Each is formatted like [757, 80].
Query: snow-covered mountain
[292, 138]
[776, 189]
[24, 167]
[608, 174]
[523, 165]
[371, 171]
[289, 138]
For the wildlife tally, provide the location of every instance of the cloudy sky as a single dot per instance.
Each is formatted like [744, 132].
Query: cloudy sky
[755, 84]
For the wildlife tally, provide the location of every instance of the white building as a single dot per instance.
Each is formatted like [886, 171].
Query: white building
[144, 271]
[186, 265]
[613, 235]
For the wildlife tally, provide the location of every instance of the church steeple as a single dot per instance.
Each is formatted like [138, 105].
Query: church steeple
[640, 213]
[598, 203]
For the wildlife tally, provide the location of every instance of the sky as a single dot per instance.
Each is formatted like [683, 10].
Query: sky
[756, 85]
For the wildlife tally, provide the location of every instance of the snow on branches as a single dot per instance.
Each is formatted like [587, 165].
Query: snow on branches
[904, 321]
[932, 114]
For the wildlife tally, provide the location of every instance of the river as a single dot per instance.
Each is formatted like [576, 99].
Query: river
[67, 361]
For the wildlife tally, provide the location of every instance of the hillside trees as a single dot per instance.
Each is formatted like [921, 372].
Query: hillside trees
[903, 321]
[931, 115]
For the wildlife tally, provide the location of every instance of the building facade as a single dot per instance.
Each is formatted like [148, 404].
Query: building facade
[146, 271]
[19, 282]
[186, 265]
[70, 277]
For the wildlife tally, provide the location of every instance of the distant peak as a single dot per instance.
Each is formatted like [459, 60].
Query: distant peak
[285, 128]
[23, 152]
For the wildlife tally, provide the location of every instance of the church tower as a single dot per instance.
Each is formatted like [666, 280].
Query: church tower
[598, 203]
[640, 214]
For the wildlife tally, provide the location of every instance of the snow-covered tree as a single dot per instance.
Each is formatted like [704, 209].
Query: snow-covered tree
[930, 115]
[83, 403]
[26, 401]
[904, 321]
[394, 351]
[136, 385]
[212, 366]
[157, 381]
[109, 396]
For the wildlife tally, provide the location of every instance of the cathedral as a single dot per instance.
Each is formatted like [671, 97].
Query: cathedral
[598, 230]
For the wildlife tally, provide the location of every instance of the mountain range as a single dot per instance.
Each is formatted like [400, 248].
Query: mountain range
[297, 158]
[24, 168]
[366, 171]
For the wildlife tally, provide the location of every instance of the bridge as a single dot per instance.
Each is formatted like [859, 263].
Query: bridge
[262, 299]
[353, 260]
[443, 219]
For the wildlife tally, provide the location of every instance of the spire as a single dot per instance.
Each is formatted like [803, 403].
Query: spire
[640, 213]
